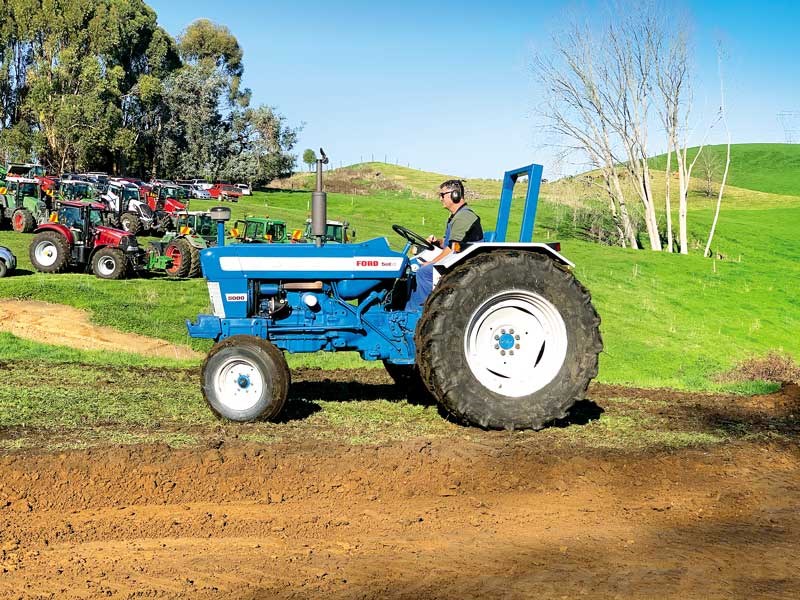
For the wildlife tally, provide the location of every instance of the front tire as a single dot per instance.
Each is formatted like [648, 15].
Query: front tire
[49, 252]
[3, 268]
[508, 340]
[195, 269]
[245, 378]
[109, 263]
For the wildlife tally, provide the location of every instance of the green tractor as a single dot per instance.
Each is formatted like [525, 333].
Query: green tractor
[25, 203]
[76, 189]
[178, 252]
[259, 230]
[335, 231]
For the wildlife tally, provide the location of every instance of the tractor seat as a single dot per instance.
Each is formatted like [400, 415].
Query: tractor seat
[489, 236]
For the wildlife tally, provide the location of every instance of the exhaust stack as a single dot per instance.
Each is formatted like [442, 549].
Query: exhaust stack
[319, 205]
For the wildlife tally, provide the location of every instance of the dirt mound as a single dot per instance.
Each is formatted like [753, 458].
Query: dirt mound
[34, 321]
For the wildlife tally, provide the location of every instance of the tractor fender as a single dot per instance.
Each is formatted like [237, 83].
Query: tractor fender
[58, 228]
[450, 261]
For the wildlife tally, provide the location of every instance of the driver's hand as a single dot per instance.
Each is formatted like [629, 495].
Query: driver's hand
[432, 239]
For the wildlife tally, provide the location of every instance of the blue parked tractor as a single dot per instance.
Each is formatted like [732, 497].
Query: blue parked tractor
[508, 339]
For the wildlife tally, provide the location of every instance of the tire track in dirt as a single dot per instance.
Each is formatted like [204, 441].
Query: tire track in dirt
[34, 320]
[419, 519]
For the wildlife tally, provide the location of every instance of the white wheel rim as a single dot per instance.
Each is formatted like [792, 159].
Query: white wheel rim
[238, 384]
[515, 343]
[106, 265]
[46, 253]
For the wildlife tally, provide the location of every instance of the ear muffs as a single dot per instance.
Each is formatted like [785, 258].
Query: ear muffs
[455, 196]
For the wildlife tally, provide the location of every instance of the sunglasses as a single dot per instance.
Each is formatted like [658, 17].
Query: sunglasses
[443, 194]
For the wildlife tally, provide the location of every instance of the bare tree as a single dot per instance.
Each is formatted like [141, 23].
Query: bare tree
[709, 168]
[724, 118]
[601, 98]
[576, 111]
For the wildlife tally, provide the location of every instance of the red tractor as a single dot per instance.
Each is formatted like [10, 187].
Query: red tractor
[78, 238]
[167, 198]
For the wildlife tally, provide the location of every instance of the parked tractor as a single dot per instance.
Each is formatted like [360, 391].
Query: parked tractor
[335, 231]
[25, 204]
[129, 212]
[259, 230]
[508, 339]
[168, 198]
[194, 232]
[8, 262]
[76, 189]
[17, 171]
[77, 238]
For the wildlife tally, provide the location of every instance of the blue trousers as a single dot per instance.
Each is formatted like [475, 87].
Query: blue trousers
[421, 287]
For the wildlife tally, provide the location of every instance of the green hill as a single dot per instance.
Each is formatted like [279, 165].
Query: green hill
[772, 168]
[372, 177]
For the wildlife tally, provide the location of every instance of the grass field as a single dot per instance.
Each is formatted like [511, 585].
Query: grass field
[668, 320]
[772, 168]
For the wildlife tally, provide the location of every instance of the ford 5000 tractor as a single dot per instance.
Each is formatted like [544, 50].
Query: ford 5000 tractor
[508, 339]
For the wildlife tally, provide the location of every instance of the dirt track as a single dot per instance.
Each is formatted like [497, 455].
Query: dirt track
[421, 519]
[33, 320]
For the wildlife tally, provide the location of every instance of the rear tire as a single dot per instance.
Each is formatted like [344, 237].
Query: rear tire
[245, 378]
[49, 252]
[130, 223]
[179, 251]
[109, 263]
[3, 268]
[22, 221]
[508, 340]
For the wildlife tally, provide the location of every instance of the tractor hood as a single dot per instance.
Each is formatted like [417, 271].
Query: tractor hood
[108, 236]
[172, 205]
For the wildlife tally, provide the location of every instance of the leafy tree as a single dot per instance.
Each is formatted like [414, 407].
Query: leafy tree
[309, 157]
[97, 84]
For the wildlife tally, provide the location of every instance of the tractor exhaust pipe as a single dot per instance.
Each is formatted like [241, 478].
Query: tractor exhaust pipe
[319, 205]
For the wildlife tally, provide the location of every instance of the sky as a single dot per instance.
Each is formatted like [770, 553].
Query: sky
[448, 86]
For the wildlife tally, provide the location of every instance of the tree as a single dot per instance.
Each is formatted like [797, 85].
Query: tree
[310, 158]
[605, 85]
[724, 118]
[67, 73]
[575, 111]
[709, 168]
[213, 46]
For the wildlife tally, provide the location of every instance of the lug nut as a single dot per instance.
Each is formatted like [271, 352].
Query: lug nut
[511, 331]
[511, 352]
[497, 337]
[497, 346]
[502, 352]
[516, 337]
[503, 331]
[517, 346]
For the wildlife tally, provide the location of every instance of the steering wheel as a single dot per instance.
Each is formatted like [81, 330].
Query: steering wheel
[412, 237]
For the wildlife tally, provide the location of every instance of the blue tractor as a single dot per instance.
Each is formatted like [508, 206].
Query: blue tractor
[508, 339]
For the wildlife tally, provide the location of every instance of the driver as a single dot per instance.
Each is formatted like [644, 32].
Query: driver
[463, 228]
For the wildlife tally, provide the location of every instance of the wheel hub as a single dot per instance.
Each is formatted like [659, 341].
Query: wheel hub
[239, 383]
[515, 343]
